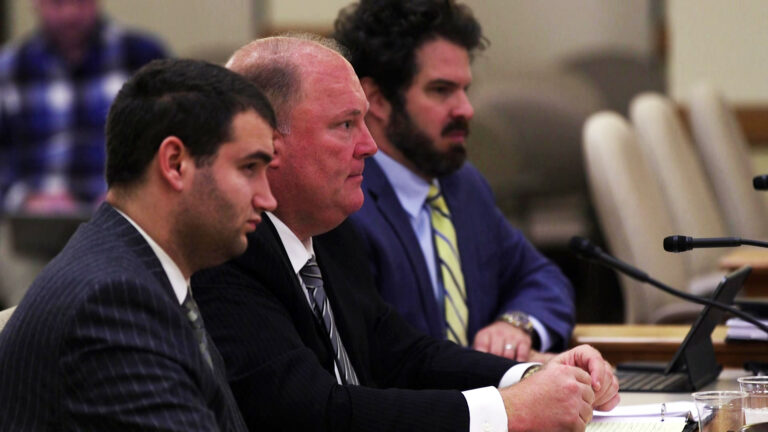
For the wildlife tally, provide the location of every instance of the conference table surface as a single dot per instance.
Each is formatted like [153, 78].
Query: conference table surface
[637, 342]
[756, 284]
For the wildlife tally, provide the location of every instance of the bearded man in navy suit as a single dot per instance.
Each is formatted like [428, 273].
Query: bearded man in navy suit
[413, 59]
[108, 337]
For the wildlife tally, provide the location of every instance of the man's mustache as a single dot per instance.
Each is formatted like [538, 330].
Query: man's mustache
[460, 124]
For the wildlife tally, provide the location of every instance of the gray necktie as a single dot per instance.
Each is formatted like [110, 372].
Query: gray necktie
[313, 281]
[208, 351]
[193, 314]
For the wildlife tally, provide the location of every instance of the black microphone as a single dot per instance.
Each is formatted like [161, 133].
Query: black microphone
[760, 182]
[678, 243]
[584, 248]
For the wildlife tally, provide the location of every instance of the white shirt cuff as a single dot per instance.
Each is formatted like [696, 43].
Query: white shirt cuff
[544, 337]
[486, 410]
[515, 374]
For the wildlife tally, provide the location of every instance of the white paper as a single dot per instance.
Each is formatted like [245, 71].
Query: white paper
[740, 329]
[671, 409]
[615, 424]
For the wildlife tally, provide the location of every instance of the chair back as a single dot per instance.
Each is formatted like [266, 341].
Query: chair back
[526, 135]
[685, 188]
[5, 315]
[726, 158]
[633, 215]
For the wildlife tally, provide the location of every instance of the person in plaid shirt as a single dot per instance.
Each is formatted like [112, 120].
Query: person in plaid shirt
[55, 89]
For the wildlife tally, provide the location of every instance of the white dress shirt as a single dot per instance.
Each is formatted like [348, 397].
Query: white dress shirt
[486, 408]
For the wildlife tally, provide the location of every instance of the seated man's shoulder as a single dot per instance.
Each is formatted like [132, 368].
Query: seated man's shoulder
[346, 234]
[75, 290]
[469, 183]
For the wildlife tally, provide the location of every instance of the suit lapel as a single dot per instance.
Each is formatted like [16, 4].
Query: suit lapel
[385, 199]
[267, 261]
[340, 289]
[109, 220]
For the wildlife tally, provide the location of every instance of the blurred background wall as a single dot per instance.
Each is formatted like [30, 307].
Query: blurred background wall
[705, 38]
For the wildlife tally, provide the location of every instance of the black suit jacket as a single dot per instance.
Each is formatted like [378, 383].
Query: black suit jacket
[280, 361]
[100, 343]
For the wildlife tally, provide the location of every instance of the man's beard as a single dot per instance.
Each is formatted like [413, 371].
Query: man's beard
[418, 148]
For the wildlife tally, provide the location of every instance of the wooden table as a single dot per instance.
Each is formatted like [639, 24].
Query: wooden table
[621, 343]
[756, 284]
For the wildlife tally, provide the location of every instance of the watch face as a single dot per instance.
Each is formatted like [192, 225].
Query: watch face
[521, 317]
[519, 320]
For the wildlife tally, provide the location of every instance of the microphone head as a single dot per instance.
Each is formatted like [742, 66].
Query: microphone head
[760, 182]
[678, 243]
[583, 247]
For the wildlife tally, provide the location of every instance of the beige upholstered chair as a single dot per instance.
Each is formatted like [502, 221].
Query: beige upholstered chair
[634, 218]
[726, 159]
[618, 74]
[685, 188]
[526, 136]
[4, 316]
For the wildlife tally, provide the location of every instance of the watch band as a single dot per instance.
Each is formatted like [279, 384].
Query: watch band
[530, 371]
[518, 319]
[522, 321]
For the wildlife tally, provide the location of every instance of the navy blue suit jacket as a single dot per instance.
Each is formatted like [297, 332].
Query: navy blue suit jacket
[502, 270]
[100, 343]
[280, 360]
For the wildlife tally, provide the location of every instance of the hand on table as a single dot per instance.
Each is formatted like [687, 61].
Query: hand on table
[505, 340]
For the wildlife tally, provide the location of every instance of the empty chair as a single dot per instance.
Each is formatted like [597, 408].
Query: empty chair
[634, 218]
[618, 75]
[726, 159]
[525, 139]
[685, 188]
[5, 315]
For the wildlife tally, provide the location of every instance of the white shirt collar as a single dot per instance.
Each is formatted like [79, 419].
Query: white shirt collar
[298, 252]
[172, 271]
[411, 190]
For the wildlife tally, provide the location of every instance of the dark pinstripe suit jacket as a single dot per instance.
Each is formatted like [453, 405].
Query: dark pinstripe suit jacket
[280, 361]
[100, 343]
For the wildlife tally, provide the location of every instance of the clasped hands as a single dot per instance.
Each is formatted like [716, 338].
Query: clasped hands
[562, 395]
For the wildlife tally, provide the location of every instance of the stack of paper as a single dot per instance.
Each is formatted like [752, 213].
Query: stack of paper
[742, 330]
[656, 417]
[671, 425]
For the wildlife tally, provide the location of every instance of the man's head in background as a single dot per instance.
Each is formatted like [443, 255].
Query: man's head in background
[68, 23]
[413, 58]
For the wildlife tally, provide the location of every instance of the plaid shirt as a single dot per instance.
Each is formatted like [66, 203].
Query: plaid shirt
[52, 114]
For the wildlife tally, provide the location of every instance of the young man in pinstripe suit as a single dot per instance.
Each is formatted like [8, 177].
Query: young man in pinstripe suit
[109, 337]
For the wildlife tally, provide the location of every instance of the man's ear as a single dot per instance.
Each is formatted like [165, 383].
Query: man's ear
[379, 105]
[278, 143]
[173, 162]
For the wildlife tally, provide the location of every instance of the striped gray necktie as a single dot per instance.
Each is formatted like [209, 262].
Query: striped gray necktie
[193, 314]
[313, 281]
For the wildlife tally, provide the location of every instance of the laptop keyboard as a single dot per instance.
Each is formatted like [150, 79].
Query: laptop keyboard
[653, 381]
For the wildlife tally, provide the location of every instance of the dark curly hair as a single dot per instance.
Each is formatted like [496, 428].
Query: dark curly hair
[382, 37]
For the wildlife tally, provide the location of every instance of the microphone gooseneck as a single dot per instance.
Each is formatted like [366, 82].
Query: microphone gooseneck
[584, 248]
